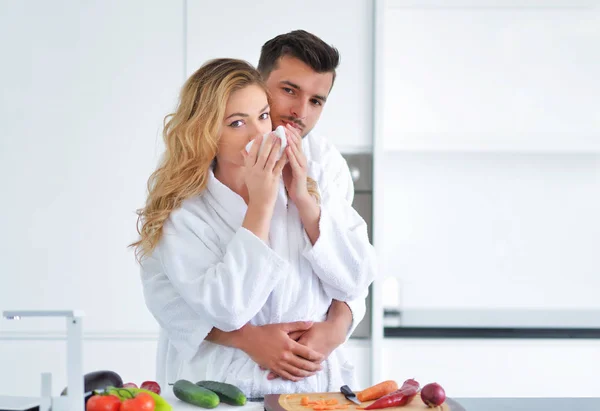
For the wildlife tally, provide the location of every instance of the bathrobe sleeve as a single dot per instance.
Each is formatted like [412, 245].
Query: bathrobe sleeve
[225, 289]
[185, 328]
[342, 257]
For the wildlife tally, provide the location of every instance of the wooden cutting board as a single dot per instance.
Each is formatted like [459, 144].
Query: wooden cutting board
[291, 402]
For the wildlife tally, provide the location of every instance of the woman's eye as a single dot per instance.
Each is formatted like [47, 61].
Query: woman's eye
[236, 124]
[264, 116]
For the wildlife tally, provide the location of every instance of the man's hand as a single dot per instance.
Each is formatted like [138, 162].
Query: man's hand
[271, 348]
[324, 337]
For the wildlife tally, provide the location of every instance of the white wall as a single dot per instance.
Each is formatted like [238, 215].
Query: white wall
[83, 101]
[84, 89]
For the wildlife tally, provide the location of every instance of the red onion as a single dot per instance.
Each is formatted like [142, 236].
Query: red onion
[433, 394]
[151, 386]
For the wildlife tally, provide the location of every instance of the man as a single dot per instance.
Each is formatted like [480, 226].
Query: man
[299, 70]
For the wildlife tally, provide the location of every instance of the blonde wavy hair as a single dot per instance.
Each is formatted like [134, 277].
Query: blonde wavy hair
[191, 136]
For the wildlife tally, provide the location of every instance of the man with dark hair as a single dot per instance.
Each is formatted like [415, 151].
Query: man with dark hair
[299, 69]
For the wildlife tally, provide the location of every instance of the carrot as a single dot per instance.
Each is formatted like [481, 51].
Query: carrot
[377, 391]
[332, 401]
[304, 401]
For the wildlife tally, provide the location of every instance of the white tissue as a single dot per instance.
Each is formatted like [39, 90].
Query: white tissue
[279, 132]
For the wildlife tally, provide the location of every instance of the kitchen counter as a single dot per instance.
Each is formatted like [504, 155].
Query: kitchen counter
[507, 323]
[470, 404]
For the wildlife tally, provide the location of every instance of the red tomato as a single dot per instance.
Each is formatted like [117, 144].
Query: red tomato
[141, 402]
[103, 403]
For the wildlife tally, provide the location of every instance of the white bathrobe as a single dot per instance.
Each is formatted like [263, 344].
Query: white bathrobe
[208, 271]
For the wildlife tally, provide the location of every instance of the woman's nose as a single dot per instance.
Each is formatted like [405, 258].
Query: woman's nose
[252, 129]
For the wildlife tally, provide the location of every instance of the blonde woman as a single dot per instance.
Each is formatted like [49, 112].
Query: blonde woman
[235, 239]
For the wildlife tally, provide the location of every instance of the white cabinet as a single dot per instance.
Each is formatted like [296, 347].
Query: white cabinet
[496, 368]
[240, 29]
[489, 75]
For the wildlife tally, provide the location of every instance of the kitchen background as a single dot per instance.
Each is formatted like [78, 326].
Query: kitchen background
[472, 129]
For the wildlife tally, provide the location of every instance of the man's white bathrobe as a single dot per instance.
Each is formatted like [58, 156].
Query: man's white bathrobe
[208, 271]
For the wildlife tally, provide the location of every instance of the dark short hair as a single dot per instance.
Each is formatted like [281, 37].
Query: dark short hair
[306, 47]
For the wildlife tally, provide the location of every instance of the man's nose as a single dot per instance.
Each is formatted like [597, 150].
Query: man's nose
[300, 110]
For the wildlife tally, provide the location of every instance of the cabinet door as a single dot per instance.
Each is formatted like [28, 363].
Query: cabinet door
[240, 29]
[488, 75]
[496, 368]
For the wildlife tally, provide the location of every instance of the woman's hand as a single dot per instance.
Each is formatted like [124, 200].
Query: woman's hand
[263, 171]
[261, 176]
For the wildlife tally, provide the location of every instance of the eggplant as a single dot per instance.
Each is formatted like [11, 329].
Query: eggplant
[99, 380]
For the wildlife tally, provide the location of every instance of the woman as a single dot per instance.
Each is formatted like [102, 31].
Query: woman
[241, 236]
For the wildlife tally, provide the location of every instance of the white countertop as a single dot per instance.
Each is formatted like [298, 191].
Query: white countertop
[179, 405]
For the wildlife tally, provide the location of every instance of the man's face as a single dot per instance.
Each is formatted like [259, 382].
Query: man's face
[298, 94]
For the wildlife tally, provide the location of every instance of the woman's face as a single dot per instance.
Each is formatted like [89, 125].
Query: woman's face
[246, 117]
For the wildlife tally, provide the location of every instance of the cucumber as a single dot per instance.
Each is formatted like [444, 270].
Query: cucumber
[193, 394]
[229, 394]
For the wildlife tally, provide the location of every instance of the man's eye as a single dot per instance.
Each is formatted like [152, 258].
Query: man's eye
[288, 90]
[316, 102]
[264, 116]
[236, 124]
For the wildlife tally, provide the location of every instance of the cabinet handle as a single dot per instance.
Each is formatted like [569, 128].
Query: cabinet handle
[354, 173]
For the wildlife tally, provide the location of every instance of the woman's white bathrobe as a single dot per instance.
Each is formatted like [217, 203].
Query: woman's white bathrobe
[208, 271]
